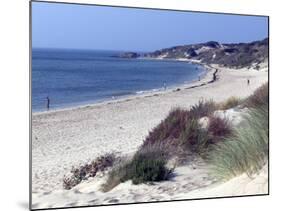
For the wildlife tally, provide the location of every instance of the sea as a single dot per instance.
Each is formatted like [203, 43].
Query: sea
[72, 78]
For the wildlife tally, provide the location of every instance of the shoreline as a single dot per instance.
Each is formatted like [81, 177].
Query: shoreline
[207, 78]
[72, 137]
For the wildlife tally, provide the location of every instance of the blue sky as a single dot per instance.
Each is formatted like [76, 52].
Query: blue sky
[110, 28]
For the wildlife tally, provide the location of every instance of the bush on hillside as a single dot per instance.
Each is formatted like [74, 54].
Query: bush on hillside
[169, 129]
[147, 165]
[218, 128]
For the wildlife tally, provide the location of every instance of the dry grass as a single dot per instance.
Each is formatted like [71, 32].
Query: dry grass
[202, 108]
[230, 103]
[218, 128]
[259, 98]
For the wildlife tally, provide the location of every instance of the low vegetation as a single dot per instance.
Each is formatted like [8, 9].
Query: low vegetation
[147, 165]
[259, 98]
[218, 128]
[178, 134]
[89, 170]
[230, 151]
[169, 129]
[246, 150]
[181, 132]
[230, 103]
[202, 108]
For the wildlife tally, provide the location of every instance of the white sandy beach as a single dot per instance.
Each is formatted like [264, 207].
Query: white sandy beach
[69, 137]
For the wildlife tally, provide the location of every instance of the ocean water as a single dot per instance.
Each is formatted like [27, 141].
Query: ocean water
[77, 77]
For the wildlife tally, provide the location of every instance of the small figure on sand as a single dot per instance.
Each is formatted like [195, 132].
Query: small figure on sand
[248, 81]
[48, 102]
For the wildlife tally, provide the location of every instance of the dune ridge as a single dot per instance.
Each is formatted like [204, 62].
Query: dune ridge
[71, 137]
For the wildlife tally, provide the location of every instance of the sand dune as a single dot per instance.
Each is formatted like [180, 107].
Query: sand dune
[188, 182]
[69, 137]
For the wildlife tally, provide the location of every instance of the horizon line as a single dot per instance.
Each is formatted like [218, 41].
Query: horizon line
[126, 50]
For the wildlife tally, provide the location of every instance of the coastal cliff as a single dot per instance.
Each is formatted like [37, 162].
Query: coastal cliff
[236, 55]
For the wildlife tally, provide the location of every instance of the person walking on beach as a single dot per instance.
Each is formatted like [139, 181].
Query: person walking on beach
[48, 102]
[248, 81]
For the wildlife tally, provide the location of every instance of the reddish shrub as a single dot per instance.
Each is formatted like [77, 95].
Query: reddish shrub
[170, 128]
[202, 108]
[218, 128]
[89, 170]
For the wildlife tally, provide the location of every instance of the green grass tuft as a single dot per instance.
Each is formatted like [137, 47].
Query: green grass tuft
[147, 165]
[246, 151]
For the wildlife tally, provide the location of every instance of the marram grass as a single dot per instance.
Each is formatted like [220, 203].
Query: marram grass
[246, 151]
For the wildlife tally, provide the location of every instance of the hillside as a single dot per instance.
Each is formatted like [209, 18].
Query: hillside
[230, 55]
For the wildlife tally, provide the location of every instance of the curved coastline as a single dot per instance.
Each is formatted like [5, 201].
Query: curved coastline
[205, 78]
